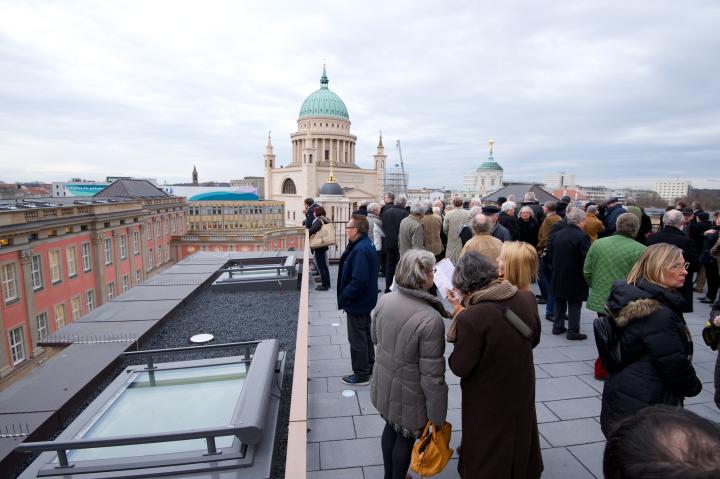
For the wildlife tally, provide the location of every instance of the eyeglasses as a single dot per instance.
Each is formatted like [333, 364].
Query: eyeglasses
[350, 227]
[680, 266]
[434, 270]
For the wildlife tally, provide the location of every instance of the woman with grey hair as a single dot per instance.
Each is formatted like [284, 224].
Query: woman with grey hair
[408, 383]
[528, 226]
[494, 338]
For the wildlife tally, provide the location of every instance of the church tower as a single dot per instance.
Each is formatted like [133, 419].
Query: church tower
[269, 164]
[194, 176]
[380, 162]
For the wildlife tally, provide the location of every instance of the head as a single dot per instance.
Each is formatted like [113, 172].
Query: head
[437, 210]
[308, 201]
[696, 205]
[480, 224]
[576, 217]
[418, 207]
[508, 207]
[492, 212]
[703, 216]
[511, 198]
[400, 201]
[364, 203]
[592, 210]
[457, 202]
[566, 199]
[526, 213]
[501, 200]
[687, 214]
[319, 211]
[717, 218]
[475, 202]
[438, 203]
[674, 218]
[389, 197]
[662, 441]
[374, 208]
[518, 263]
[357, 226]
[680, 205]
[415, 270]
[529, 197]
[473, 272]
[661, 264]
[612, 201]
[550, 207]
[627, 224]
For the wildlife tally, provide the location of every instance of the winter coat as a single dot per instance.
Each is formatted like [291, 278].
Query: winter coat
[656, 352]
[610, 218]
[528, 231]
[608, 260]
[317, 224]
[357, 277]
[432, 226]
[408, 382]
[411, 234]
[593, 226]
[497, 381]
[510, 223]
[567, 251]
[544, 232]
[676, 237]
[501, 233]
[391, 219]
[310, 215]
[484, 244]
[452, 223]
[375, 233]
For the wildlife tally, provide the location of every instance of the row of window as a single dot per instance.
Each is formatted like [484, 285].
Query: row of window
[16, 336]
[162, 255]
[234, 210]
[161, 227]
[209, 226]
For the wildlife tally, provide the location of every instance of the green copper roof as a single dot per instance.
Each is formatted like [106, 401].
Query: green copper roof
[490, 164]
[324, 103]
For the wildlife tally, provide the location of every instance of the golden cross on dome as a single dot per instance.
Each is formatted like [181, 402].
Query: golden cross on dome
[331, 176]
[491, 143]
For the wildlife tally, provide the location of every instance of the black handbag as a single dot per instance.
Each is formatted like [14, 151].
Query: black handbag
[607, 340]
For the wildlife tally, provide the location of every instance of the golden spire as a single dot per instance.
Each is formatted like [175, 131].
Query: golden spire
[491, 143]
[331, 176]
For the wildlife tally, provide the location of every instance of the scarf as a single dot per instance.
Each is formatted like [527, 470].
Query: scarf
[497, 290]
[431, 300]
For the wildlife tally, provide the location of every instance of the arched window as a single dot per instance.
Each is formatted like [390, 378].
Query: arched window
[288, 187]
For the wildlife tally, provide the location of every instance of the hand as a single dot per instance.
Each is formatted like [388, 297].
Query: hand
[710, 232]
[454, 297]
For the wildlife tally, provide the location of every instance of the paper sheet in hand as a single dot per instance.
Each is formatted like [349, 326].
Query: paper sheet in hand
[443, 276]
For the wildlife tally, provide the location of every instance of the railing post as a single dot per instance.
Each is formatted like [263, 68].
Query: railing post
[211, 448]
[63, 459]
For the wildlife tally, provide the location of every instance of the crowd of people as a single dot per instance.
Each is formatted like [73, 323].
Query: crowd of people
[604, 255]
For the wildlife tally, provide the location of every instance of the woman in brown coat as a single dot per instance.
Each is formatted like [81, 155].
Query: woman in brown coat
[432, 226]
[493, 358]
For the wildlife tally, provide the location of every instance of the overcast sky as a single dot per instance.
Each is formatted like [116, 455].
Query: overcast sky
[618, 93]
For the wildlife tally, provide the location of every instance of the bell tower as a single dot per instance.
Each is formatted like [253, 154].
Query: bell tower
[380, 162]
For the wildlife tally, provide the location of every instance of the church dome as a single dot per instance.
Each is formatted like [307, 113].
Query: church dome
[324, 103]
[331, 188]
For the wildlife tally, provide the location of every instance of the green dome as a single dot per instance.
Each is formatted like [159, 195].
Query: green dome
[490, 164]
[324, 103]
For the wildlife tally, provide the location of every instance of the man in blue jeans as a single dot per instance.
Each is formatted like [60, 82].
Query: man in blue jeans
[357, 296]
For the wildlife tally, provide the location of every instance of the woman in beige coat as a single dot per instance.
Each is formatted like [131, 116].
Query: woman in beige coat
[408, 383]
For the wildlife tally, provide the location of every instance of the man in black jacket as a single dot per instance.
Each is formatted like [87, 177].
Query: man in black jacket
[508, 220]
[391, 218]
[310, 206]
[567, 251]
[388, 202]
[672, 234]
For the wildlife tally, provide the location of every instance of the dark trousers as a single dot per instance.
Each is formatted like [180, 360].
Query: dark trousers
[545, 283]
[392, 256]
[362, 350]
[713, 279]
[573, 309]
[396, 451]
[322, 266]
[382, 262]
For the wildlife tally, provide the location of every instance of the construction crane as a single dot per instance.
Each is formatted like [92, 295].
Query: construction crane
[403, 180]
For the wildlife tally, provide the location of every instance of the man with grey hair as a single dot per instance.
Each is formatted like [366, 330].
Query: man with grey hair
[608, 260]
[391, 219]
[593, 226]
[507, 219]
[411, 231]
[673, 221]
[482, 241]
[567, 251]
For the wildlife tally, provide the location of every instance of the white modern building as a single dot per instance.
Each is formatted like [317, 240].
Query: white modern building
[560, 179]
[670, 190]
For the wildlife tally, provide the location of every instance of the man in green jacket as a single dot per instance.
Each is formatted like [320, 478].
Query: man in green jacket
[608, 260]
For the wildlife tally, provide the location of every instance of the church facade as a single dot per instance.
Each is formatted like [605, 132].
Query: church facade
[323, 162]
[487, 178]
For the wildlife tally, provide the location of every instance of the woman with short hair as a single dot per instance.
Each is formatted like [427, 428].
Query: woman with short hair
[518, 263]
[408, 383]
[655, 344]
[528, 226]
[494, 360]
[321, 253]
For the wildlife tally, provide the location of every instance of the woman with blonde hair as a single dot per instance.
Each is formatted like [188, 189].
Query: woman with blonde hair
[408, 383]
[655, 344]
[518, 263]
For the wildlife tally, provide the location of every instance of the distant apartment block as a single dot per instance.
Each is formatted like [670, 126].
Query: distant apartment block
[557, 180]
[670, 190]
